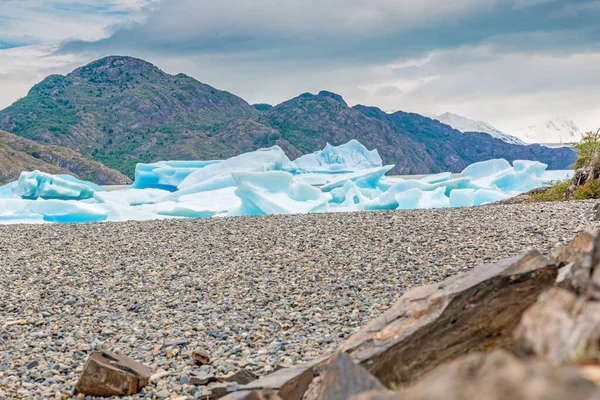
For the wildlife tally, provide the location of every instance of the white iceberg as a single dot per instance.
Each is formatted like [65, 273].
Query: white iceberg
[349, 157]
[342, 178]
[36, 184]
[166, 175]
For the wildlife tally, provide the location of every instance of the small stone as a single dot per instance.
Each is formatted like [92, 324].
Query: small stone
[32, 364]
[202, 379]
[158, 376]
[200, 357]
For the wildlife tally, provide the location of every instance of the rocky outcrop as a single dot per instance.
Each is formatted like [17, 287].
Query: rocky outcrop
[472, 312]
[564, 325]
[496, 376]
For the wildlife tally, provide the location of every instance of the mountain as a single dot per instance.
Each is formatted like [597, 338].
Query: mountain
[557, 130]
[465, 125]
[18, 154]
[121, 110]
[452, 150]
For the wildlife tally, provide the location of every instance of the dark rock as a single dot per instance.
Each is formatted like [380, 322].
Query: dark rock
[200, 357]
[343, 379]
[109, 374]
[289, 383]
[32, 364]
[202, 378]
[241, 376]
[496, 376]
[218, 390]
[430, 325]
[561, 327]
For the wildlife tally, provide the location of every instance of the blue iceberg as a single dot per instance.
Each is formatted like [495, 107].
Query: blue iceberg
[336, 179]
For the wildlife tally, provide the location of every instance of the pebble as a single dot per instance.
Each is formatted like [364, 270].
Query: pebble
[253, 292]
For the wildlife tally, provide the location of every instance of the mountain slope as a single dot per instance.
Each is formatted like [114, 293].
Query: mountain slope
[465, 125]
[18, 154]
[453, 150]
[309, 122]
[122, 110]
[557, 130]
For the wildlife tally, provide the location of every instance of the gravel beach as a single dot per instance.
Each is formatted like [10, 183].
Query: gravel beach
[253, 292]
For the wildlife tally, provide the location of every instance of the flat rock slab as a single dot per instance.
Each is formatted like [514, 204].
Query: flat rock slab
[288, 383]
[475, 311]
[108, 374]
[240, 376]
[496, 376]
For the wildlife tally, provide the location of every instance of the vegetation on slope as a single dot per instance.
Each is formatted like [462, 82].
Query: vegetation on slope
[122, 110]
[18, 154]
[585, 185]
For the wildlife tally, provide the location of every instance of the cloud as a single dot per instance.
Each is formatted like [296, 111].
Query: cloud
[510, 62]
[355, 30]
[26, 22]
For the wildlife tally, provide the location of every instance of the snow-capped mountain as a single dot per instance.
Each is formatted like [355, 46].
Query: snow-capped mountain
[463, 124]
[557, 130]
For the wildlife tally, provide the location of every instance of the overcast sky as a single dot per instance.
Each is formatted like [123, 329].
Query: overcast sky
[509, 62]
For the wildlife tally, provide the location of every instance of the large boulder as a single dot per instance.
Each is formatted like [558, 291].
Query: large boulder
[564, 324]
[496, 376]
[430, 325]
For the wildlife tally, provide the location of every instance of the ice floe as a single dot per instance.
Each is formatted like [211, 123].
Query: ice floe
[337, 179]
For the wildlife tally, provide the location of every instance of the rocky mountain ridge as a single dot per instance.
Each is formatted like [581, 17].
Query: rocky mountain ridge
[121, 110]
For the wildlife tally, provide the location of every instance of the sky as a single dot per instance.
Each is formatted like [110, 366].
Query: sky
[512, 63]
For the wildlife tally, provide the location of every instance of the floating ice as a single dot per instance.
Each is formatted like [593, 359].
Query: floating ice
[349, 157]
[417, 198]
[36, 184]
[276, 192]
[486, 168]
[166, 175]
[6, 191]
[271, 159]
[343, 178]
[131, 197]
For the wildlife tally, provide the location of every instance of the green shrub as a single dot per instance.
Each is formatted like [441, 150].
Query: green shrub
[557, 193]
[589, 190]
[590, 142]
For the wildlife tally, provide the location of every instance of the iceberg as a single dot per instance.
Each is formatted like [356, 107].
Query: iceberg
[349, 157]
[36, 184]
[131, 197]
[336, 179]
[6, 191]
[271, 159]
[166, 175]
[484, 169]
[462, 198]
[417, 198]
[276, 192]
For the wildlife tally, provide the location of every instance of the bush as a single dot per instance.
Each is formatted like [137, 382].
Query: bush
[590, 142]
[557, 193]
[589, 190]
